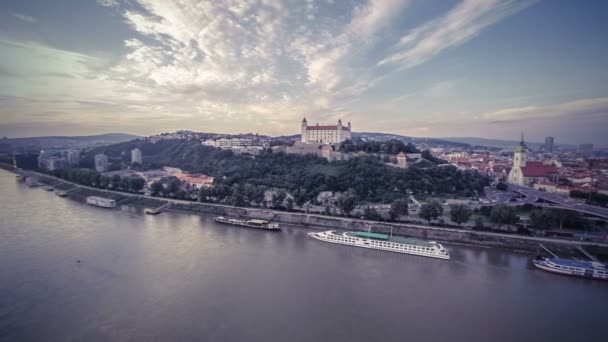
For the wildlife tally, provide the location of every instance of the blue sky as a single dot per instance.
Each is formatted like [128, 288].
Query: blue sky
[484, 68]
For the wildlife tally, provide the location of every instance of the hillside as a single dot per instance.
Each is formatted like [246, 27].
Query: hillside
[303, 176]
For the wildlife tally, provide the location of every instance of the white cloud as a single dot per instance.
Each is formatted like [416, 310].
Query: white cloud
[235, 64]
[108, 3]
[26, 18]
[462, 23]
[580, 109]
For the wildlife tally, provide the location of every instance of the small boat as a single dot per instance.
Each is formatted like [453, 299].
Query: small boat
[575, 268]
[61, 193]
[252, 223]
[101, 202]
[47, 188]
[384, 242]
[150, 211]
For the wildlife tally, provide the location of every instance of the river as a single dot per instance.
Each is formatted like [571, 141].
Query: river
[71, 272]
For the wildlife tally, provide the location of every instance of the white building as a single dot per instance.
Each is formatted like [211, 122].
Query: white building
[136, 156]
[101, 163]
[325, 134]
[228, 143]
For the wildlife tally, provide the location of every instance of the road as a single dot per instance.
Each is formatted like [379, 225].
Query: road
[560, 201]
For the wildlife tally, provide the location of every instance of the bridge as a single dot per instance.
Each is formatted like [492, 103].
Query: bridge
[560, 201]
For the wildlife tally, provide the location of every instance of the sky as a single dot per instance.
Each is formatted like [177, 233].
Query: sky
[426, 68]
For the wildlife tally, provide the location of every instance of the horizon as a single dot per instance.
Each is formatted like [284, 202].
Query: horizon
[453, 69]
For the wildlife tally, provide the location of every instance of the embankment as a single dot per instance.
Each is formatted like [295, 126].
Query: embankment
[449, 235]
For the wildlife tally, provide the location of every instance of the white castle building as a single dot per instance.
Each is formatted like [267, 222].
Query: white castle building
[325, 134]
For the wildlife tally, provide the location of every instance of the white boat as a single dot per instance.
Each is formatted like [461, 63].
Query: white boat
[101, 202]
[384, 242]
[576, 268]
[253, 223]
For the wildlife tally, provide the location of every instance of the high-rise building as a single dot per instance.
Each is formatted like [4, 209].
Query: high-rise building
[549, 144]
[101, 163]
[585, 149]
[325, 134]
[136, 156]
[72, 157]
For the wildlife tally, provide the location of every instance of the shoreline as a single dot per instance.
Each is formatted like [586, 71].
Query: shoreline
[517, 243]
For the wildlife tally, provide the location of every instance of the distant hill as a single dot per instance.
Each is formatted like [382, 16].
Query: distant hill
[490, 142]
[55, 142]
[406, 139]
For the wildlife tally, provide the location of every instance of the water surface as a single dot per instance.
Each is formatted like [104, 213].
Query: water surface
[183, 277]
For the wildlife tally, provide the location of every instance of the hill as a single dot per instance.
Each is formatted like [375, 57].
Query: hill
[52, 142]
[303, 176]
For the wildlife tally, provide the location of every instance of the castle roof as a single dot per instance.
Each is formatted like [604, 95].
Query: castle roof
[538, 169]
[401, 155]
[325, 128]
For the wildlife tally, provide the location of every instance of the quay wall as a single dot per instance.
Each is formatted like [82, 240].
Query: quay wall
[316, 221]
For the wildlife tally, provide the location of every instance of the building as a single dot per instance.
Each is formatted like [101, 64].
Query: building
[325, 134]
[101, 163]
[549, 144]
[136, 156]
[585, 149]
[228, 143]
[402, 160]
[72, 157]
[526, 172]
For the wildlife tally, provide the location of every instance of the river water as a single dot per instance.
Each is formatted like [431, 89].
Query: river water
[181, 277]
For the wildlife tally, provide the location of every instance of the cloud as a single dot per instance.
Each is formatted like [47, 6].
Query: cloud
[108, 3]
[237, 65]
[462, 23]
[581, 109]
[26, 18]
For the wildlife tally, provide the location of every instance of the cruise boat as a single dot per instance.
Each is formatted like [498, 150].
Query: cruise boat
[384, 242]
[576, 268]
[253, 223]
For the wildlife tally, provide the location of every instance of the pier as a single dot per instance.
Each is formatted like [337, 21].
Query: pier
[158, 210]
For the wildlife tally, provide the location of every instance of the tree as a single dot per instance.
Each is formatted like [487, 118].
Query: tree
[431, 210]
[539, 219]
[501, 186]
[371, 214]
[478, 223]
[115, 182]
[460, 213]
[136, 183]
[156, 188]
[398, 208]
[289, 204]
[278, 198]
[503, 214]
[346, 203]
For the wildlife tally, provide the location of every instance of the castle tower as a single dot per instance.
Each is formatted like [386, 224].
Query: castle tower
[304, 127]
[520, 157]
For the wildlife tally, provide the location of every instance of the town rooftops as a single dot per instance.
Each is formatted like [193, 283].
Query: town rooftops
[538, 169]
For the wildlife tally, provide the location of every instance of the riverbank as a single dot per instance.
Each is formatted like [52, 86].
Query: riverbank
[449, 235]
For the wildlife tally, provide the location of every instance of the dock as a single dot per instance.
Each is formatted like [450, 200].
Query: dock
[587, 254]
[158, 210]
[548, 250]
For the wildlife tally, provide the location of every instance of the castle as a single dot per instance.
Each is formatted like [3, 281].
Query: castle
[325, 134]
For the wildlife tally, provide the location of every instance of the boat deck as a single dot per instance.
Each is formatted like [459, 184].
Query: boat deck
[398, 239]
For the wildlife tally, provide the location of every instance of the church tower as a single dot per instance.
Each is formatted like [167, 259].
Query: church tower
[520, 158]
[303, 132]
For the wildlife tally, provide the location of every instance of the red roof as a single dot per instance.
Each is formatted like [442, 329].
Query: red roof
[322, 128]
[538, 169]
[401, 154]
